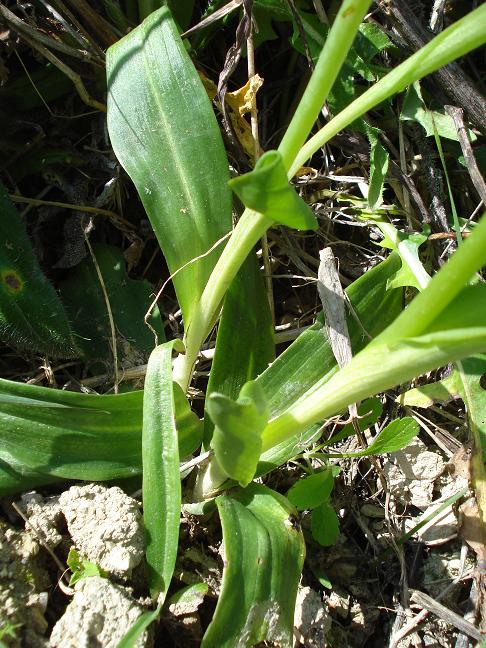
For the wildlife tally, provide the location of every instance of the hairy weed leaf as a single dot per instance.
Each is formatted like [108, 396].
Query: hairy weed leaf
[32, 316]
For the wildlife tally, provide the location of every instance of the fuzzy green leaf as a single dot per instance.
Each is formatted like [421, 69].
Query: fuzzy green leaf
[164, 132]
[129, 301]
[263, 558]
[32, 316]
[266, 189]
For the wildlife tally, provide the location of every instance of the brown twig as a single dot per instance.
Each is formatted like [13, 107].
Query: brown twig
[452, 79]
[25, 29]
[470, 160]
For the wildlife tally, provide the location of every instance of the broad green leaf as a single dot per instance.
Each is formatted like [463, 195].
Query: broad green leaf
[129, 301]
[165, 135]
[32, 316]
[414, 109]
[266, 189]
[313, 490]
[47, 434]
[263, 558]
[161, 482]
[325, 525]
[244, 344]
[441, 391]
[378, 168]
[397, 435]
[237, 440]
[309, 362]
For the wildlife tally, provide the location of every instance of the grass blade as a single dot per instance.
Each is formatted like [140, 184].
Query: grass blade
[161, 485]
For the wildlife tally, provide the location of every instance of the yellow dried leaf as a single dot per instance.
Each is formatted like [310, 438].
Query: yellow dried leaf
[243, 100]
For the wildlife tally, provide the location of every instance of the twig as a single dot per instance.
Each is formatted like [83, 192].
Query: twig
[110, 314]
[220, 13]
[428, 603]
[36, 202]
[451, 78]
[65, 69]
[419, 617]
[470, 160]
[134, 373]
[24, 29]
[40, 536]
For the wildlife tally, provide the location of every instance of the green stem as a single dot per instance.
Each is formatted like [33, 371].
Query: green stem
[373, 370]
[455, 41]
[331, 59]
[253, 225]
[442, 289]
[376, 369]
[248, 231]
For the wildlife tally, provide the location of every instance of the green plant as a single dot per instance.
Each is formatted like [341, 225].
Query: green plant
[164, 133]
[81, 568]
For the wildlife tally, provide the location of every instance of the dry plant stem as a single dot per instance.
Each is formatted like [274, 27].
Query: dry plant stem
[219, 13]
[99, 25]
[452, 78]
[418, 618]
[65, 69]
[250, 54]
[36, 202]
[40, 536]
[472, 167]
[24, 29]
[427, 602]
[110, 315]
[74, 21]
